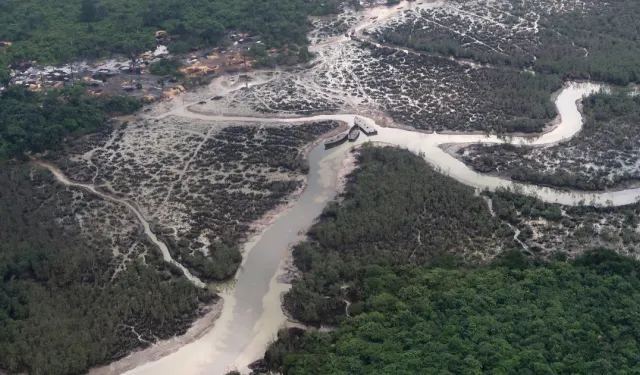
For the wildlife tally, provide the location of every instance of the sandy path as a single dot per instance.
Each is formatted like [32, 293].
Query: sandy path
[61, 178]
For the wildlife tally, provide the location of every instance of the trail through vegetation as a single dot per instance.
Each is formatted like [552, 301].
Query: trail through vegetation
[62, 306]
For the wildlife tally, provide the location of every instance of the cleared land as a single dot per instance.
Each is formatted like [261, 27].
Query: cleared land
[419, 91]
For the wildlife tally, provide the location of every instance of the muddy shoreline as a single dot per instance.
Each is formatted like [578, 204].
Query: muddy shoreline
[198, 329]
[288, 271]
[258, 227]
[204, 324]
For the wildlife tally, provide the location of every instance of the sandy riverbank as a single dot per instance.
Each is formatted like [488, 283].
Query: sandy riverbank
[258, 227]
[163, 348]
[216, 322]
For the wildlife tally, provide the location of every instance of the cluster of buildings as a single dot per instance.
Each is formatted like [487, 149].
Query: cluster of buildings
[126, 75]
[94, 73]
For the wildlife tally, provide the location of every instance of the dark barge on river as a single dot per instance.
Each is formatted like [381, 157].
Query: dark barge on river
[354, 133]
[359, 125]
[336, 140]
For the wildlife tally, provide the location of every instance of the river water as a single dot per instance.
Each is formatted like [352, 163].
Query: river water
[427, 144]
[252, 312]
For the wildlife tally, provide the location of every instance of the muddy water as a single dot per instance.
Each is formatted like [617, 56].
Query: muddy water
[569, 123]
[252, 312]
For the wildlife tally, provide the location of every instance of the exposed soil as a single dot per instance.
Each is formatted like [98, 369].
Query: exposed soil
[163, 348]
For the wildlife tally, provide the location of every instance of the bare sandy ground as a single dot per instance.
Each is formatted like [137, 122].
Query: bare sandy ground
[348, 165]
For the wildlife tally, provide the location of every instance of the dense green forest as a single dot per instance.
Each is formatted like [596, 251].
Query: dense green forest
[37, 121]
[51, 31]
[510, 317]
[61, 308]
[435, 313]
[396, 210]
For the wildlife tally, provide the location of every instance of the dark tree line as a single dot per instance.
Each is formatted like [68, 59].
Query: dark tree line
[513, 316]
[53, 31]
[437, 313]
[61, 308]
[597, 41]
[396, 210]
[36, 121]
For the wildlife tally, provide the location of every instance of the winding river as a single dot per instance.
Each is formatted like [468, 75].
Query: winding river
[428, 145]
[252, 313]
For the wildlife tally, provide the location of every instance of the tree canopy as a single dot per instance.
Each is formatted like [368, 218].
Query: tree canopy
[411, 310]
[37, 121]
[588, 40]
[509, 317]
[62, 306]
[395, 211]
[53, 31]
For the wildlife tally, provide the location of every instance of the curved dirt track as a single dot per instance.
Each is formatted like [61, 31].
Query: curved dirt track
[61, 178]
